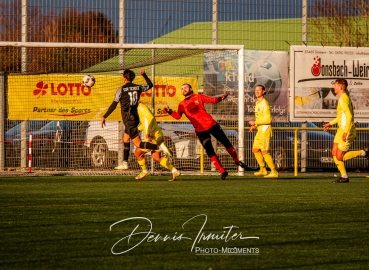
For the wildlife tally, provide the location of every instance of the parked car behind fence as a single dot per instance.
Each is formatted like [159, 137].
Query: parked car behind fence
[55, 144]
[180, 138]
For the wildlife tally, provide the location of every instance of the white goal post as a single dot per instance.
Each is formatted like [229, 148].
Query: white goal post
[125, 47]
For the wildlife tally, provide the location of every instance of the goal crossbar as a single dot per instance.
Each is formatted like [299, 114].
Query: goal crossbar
[120, 46]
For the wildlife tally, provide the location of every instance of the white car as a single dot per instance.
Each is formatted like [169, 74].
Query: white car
[102, 143]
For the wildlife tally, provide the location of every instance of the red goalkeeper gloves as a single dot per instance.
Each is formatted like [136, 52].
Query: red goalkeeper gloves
[223, 97]
[167, 110]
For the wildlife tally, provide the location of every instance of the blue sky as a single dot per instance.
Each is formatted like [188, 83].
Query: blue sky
[149, 19]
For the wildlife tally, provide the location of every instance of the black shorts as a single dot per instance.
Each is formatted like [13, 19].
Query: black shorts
[219, 135]
[131, 122]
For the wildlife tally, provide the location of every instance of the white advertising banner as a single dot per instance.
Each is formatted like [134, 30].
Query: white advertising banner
[313, 72]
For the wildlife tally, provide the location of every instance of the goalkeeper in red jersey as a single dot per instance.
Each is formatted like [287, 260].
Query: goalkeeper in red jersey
[205, 126]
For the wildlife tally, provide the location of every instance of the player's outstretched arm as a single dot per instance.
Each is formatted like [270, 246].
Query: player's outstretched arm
[172, 113]
[147, 79]
[212, 99]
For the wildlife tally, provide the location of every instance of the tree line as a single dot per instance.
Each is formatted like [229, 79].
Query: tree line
[69, 26]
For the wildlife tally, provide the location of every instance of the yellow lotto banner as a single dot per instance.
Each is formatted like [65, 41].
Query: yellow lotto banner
[64, 97]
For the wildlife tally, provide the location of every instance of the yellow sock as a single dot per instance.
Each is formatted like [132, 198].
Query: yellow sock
[352, 154]
[340, 166]
[142, 164]
[259, 158]
[166, 164]
[269, 160]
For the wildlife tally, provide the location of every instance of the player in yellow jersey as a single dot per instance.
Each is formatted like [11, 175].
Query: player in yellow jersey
[154, 134]
[346, 131]
[262, 124]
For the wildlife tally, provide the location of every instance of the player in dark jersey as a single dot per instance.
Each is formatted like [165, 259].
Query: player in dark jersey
[128, 95]
[205, 126]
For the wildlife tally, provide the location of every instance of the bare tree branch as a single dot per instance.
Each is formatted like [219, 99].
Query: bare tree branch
[339, 23]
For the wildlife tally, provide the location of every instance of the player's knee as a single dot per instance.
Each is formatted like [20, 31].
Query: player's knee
[339, 157]
[212, 155]
[139, 154]
[227, 144]
[265, 152]
[210, 152]
[156, 157]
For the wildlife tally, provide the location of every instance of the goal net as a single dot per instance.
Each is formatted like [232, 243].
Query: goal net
[45, 98]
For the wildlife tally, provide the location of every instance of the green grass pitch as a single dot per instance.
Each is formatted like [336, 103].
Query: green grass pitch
[198, 222]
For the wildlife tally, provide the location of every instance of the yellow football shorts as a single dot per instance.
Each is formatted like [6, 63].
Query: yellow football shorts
[261, 141]
[344, 146]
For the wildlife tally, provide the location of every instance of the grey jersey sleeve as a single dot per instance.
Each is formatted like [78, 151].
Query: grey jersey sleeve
[114, 103]
[118, 94]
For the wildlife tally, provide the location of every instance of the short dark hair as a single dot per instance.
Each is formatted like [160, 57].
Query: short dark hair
[129, 75]
[342, 82]
[262, 86]
[189, 85]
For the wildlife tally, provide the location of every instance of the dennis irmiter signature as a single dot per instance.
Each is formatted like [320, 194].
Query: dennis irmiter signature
[229, 234]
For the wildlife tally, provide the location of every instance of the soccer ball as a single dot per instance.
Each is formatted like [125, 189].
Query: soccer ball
[265, 73]
[88, 80]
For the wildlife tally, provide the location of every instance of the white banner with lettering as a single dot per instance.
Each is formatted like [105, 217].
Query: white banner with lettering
[313, 72]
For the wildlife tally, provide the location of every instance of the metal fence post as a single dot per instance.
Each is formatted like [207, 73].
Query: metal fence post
[305, 42]
[214, 42]
[24, 147]
[2, 120]
[295, 152]
[121, 67]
